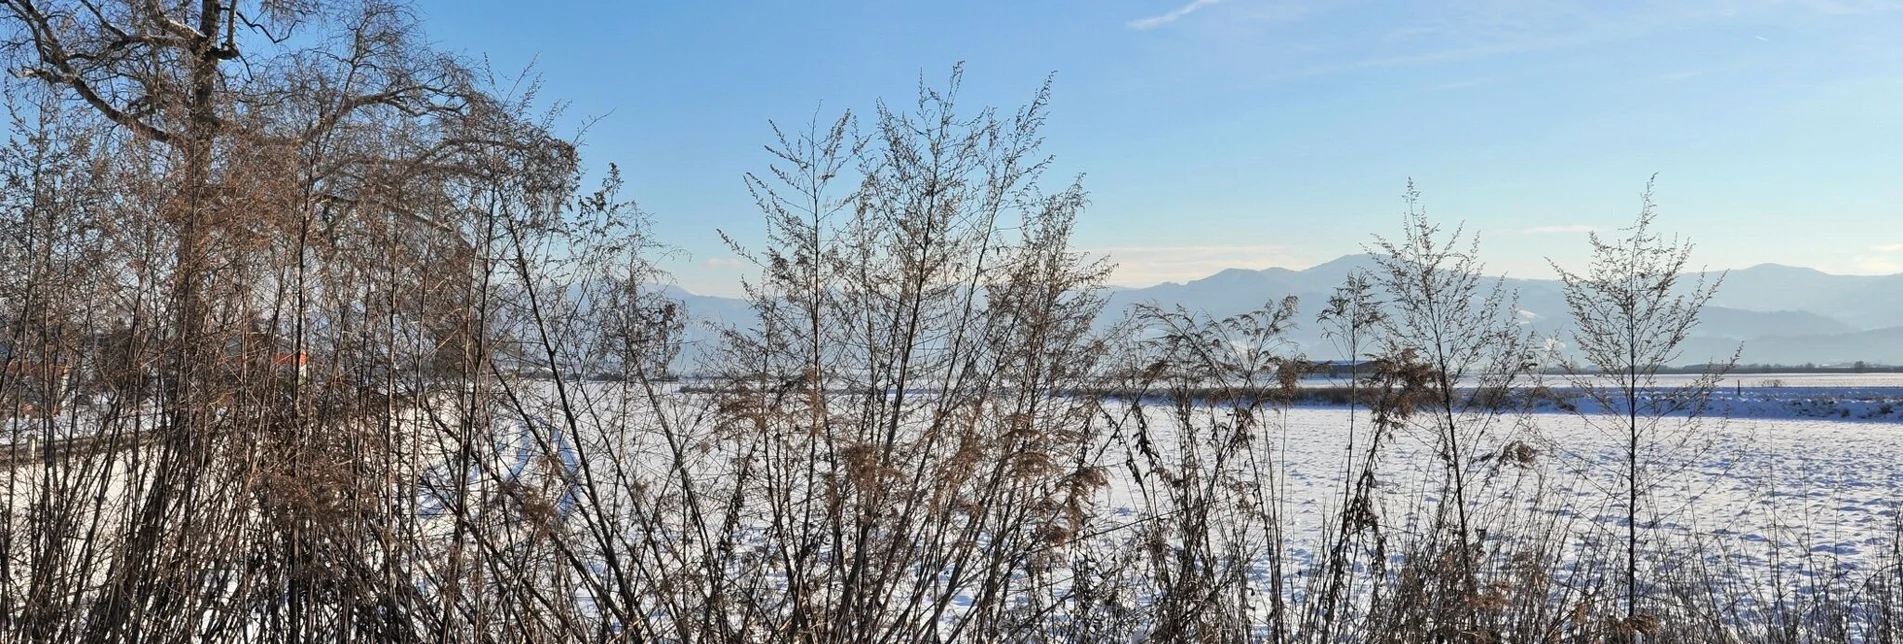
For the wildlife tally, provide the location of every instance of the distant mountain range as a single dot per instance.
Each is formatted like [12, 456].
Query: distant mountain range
[1778, 314]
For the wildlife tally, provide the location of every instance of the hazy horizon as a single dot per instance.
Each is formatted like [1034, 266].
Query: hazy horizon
[1547, 275]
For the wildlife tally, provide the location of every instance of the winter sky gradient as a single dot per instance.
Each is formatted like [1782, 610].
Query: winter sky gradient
[1254, 133]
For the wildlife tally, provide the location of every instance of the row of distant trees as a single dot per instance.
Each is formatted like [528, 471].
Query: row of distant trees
[1859, 366]
[894, 449]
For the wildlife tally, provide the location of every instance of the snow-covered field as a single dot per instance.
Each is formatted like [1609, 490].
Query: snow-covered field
[1775, 502]
[1803, 486]
[1765, 513]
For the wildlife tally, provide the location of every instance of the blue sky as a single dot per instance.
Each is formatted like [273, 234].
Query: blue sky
[1254, 133]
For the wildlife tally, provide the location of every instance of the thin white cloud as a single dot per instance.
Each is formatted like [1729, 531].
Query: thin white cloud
[1571, 229]
[1877, 259]
[1150, 265]
[1878, 266]
[723, 262]
[1438, 32]
[1153, 22]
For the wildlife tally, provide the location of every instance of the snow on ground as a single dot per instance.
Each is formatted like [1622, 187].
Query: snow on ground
[1778, 496]
[1783, 502]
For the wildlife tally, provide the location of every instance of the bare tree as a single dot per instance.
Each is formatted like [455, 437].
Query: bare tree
[1351, 318]
[1442, 312]
[229, 103]
[1633, 311]
[293, 207]
[895, 399]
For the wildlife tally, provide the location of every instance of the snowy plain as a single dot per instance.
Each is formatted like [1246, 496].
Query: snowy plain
[1776, 497]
